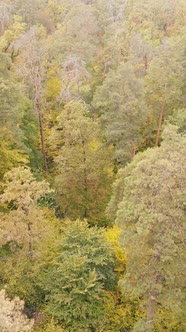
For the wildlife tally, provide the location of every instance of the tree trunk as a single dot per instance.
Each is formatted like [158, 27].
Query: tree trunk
[148, 133]
[37, 79]
[160, 123]
[133, 153]
[145, 63]
[151, 307]
[43, 149]
[85, 178]
[30, 241]
[29, 234]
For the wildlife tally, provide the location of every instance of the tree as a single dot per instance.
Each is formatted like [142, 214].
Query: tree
[77, 33]
[123, 112]
[12, 109]
[5, 15]
[21, 224]
[34, 57]
[31, 141]
[73, 75]
[83, 165]
[164, 88]
[149, 206]
[81, 270]
[154, 19]
[28, 236]
[29, 10]
[141, 54]
[120, 313]
[11, 315]
[11, 35]
[112, 235]
[50, 326]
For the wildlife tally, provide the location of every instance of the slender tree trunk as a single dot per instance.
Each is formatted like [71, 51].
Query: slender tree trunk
[30, 241]
[148, 133]
[133, 153]
[145, 62]
[37, 82]
[85, 178]
[29, 234]
[151, 307]
[160, 123]
[43, 149]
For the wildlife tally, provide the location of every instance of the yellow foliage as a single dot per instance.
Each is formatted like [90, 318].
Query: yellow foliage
[51, 326]
[18, 26]
[53, 87]
[13, 33]
[112, 235]
[120, 314]
[10, 157]
[94, 145]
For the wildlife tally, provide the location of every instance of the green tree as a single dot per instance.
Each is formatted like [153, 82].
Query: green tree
[84, 169]
[82, 269]
[153, 19]
[77, 32]
[165, 81]
[11, 36]
[21, 224]
[29, 11]
[149, 206]
[28, 232]
[5, 15]
[34, 57]
[12, 109]
[123, 112]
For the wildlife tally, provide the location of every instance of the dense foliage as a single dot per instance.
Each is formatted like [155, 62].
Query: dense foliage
[92, 165]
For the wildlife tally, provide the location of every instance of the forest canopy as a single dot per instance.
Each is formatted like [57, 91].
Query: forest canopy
[92, 165]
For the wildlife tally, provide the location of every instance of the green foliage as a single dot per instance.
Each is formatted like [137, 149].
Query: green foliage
[120, 101]
[81, 270]
[178, 118]
[22, 279]
[10, 156]
[30, 138]
[21, 187]
[27, 234]
[83, 165]
[11, 35]
[166, 85]
[149, 206]
[47, 200]
[12, 103]
[84, 86]
[13, 152]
